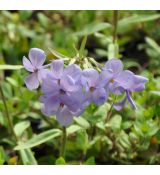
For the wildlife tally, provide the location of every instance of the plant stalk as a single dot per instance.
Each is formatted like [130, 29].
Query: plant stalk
[7, 115]
[63, 144]
[115, 24]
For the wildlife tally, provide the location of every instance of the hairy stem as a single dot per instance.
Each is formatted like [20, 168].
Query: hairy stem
[115, 22]
[63, 144]
[7, 115]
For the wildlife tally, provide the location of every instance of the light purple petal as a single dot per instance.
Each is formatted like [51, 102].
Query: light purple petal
[91, 77]
[32, 81]
[139, 83]
[73, 100]
[57, 68]
[68, 84]
[78, 112]
[99, 96]
[115, 88]
[105, 77]
[118, 106]
[115, 65]
[131, 100]
[139, 87]
[125, 79]
[37, 57]
[74, 71]
[51, 104]
[141, 79]
[42, 73]
[64, 116]
[27, 64]
[49, 86]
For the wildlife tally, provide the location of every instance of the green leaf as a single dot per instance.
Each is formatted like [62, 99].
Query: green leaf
[12, 81]
[156, 93]
[100, 113]
[39, 139]
[153, 44]
[82, 122]
[137, 19]
[82, 141]
[21, 127]
[115, 122]
[44, 20]
[2, 155]
[57, 54]
[93, 28]
[72, 129]
[60, 161]
[10, 67]
[90, 161]
[123, 139]
[27, 157]
[25, 14]
[82, 48]
[129, 63]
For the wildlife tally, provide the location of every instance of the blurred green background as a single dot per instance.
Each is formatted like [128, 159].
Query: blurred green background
[130, 137]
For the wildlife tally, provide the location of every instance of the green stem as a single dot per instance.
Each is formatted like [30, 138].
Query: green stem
[7, 115]
[109, 113]
[64, 139]
[110, 110]
[115, 22]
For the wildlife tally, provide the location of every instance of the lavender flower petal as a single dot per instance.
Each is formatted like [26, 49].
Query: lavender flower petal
[57, 68]
[27, 64]
[37, 57]
[90, 76]
[68, 84]
[118, 106]
[49, 86]
[64, 116]
[99, 96]
[131, 100]
[51, 104]
[74, 71]
[32, 81]
[115, 65]
[42, 73]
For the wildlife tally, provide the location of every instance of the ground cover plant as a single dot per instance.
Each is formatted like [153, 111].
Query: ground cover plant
[79, 87]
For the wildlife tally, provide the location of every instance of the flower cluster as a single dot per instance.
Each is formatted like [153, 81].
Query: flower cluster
[67, 91]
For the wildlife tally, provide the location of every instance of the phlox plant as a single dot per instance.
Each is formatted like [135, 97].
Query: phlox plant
[67, 90]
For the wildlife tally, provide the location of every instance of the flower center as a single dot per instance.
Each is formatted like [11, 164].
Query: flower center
[62, 92]
[61, 105]
[111, 81]
[92, 89]
[58, 81]
[35, 70]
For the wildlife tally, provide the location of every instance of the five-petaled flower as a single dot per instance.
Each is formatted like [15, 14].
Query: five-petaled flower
[35, 65]
[123, 81]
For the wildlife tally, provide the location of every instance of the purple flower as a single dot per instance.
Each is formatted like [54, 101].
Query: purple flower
[127, 82]
[34, 65]
[112, 69]
[123, 81]
[94, 84]
[62, 95]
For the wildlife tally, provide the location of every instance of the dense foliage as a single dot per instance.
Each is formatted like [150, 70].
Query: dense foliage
[128, 136]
